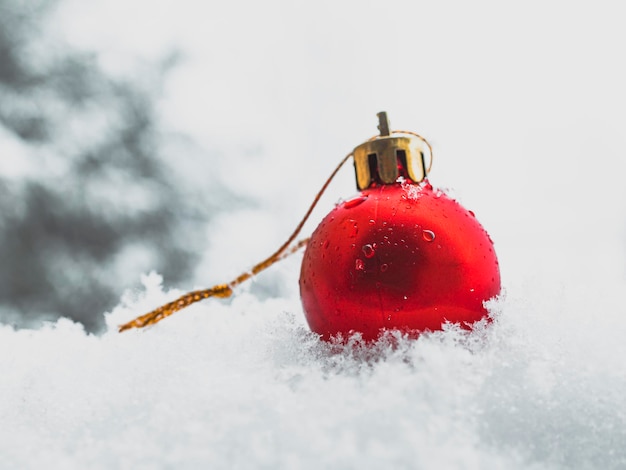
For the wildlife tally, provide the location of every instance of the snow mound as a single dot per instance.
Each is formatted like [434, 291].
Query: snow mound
[245, 384]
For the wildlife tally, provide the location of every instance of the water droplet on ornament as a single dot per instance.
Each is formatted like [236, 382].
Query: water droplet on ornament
[428, 235]
[359, 265]
[351, 226]
[384, 267]
[326, 243]
[405, 297]
[368, 251]
[372, 221]
[354, 202]
[472, 213]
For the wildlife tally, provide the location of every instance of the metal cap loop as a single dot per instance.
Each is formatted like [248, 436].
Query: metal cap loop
[389, 156]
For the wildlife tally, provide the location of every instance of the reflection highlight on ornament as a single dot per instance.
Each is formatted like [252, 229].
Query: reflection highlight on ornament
[354, 202]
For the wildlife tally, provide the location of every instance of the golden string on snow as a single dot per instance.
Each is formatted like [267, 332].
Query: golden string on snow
[226, 290]
[220, 291]
[286, 249]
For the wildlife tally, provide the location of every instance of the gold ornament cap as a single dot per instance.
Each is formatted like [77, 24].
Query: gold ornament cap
[388, 156]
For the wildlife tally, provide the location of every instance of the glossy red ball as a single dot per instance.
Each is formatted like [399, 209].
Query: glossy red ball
[398, 256]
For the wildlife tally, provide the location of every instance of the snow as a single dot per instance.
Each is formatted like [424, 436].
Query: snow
[525, 113]
[246, 385]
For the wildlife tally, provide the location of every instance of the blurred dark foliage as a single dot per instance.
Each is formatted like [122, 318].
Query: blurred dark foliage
[64, 237]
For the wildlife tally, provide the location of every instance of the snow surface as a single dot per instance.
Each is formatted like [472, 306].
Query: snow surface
[525, 108]
[246, 385]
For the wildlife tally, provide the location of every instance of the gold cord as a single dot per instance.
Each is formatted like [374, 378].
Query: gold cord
[226, 290]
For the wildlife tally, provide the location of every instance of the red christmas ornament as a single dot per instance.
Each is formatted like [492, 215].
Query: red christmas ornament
[400, 255]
